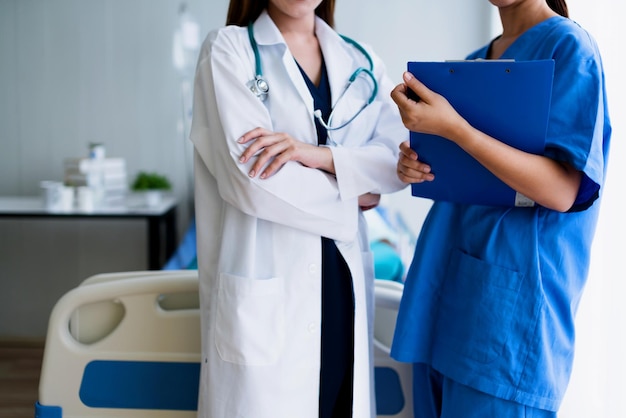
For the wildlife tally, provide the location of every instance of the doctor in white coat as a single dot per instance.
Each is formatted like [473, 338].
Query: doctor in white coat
[267, 195]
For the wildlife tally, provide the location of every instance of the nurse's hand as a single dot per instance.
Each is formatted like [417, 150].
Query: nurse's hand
[368, 201]
[275, 149]
[410, 169]
[430, 114]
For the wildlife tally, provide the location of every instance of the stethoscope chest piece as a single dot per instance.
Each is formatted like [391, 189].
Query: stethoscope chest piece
[258, 85]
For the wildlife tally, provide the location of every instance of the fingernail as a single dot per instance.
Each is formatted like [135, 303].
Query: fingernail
[251, 173]
[407, 76]
[240, 140]
[242, 159]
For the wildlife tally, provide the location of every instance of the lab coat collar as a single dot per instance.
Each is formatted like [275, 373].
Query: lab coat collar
[339, 62]
[266, 32]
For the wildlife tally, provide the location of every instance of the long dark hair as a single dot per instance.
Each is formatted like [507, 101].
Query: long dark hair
[242, 12]
[559, 6]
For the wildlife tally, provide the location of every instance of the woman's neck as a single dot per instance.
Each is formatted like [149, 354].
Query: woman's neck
[516, 20]
[297, 25]
[298, 30]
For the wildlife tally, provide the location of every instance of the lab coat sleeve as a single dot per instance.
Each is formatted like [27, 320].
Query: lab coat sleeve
[224, 109]
[371, 168]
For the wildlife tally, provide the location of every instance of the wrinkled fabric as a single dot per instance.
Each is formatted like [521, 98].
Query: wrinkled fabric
[491, 294]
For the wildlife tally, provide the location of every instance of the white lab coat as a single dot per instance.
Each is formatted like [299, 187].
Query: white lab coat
[259, 246]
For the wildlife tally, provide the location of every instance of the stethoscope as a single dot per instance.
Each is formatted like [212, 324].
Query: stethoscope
[259, 86]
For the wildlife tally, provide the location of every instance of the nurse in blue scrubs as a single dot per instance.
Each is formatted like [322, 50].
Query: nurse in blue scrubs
[487, 315]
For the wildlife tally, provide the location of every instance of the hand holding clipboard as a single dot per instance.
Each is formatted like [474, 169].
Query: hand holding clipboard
[507, 100]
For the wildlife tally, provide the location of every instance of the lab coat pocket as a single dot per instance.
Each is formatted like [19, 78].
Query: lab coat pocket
[250, 320]
[477, 307]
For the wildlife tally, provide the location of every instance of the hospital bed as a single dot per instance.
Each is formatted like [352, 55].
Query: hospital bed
[127, 345]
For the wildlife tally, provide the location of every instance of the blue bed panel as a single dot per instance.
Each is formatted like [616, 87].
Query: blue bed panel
[140, 385]
[174, 386]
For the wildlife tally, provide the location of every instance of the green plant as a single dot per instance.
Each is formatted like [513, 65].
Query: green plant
[151, 181]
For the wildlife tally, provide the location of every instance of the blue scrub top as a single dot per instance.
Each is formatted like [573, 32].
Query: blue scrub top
[491, 294]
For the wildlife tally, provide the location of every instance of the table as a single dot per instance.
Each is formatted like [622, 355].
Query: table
[44, 254]
[161, 219]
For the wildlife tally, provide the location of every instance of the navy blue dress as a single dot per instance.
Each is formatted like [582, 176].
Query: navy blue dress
[337, 298]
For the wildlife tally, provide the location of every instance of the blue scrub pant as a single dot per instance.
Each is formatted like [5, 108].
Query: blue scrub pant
[436, 396]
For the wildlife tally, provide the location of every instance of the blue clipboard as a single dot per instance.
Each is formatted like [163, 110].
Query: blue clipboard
[508, 100]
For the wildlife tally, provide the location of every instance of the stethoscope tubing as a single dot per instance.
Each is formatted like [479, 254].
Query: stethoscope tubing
[262, 92]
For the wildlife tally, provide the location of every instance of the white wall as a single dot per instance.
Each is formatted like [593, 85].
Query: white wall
[598, 386]
[74, 71]
[415, 30]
